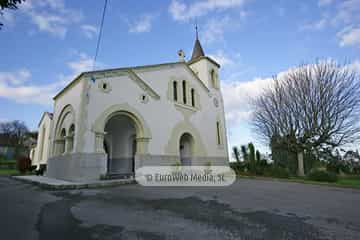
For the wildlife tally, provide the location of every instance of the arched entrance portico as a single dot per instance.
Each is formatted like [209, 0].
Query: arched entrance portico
[186, 148]
[120, 144]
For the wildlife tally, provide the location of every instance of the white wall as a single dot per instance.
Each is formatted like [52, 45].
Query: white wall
[160, 115]
[43, 142]
[73, 97]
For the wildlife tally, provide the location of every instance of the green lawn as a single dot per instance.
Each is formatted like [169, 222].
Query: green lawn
[342, 182]
[9, 172]
[346, 181]
[353, 182]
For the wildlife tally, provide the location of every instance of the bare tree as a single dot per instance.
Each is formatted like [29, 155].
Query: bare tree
[16, 133]
[311, 107]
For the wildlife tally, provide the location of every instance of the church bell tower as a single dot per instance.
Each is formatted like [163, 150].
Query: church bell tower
[206, 68]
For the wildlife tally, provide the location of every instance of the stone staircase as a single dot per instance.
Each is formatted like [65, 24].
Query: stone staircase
[111, 176]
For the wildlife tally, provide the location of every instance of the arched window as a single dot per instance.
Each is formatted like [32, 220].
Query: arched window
[175, 91]
[62, 140]
[184, 91]
[71, 138]
[192, 97]
[186, 149]
[62, 129]
[213, 78]
[218, 132]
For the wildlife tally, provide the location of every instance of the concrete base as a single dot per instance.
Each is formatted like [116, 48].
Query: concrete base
[168, 160]
[83, 167]
[56, 184]
[77, 167]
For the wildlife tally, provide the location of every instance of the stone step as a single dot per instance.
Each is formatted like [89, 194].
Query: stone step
[110, 176]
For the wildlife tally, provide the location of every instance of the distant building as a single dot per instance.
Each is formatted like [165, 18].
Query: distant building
[40, 154]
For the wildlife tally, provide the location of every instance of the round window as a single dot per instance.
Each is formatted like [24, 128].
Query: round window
[144, 98]
[104, 86]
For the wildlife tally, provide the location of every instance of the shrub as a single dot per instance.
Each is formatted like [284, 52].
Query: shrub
[277, 172]
[261, 167]
[322, 176]
[23, 164]
[42, 170]
[32, 168]
[238, 167]
[2, 157]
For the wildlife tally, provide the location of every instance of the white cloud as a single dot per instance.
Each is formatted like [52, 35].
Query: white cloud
[13, 86]
[318, 25]
[83, 64]
[183, 12]
[143, 24]
[15, 78]
[221, 58]
[51, 16]
[89, 31]
[237, 96]
[50, 23]
[214, 29]
[347, 12]
[323, 3]
[345, 15]
[17, 85]
[349, 36]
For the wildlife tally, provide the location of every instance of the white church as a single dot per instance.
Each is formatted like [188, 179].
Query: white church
[114, 121]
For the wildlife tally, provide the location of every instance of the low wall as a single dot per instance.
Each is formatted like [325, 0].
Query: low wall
[81, 167]
[169, 160]
[77, 167]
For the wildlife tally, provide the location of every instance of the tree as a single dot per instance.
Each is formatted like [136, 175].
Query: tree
[16, 133]
[251, 156]
[236, 153]
[10, 4]
[311, 107]
[258, 156]
[244, 153]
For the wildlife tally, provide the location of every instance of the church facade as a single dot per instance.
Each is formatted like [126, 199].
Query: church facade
[116, 120]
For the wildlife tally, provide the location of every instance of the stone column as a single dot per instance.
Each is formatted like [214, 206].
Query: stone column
[57, 147]
[69, 144]
[142, 145]
[99, 142]
[138, 161]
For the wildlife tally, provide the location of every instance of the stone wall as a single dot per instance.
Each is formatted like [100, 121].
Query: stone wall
[82, 167]
[168, 160]
[77, 167]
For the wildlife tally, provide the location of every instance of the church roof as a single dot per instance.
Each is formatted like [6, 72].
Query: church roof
[44, 114]
[131, 72]
[197, 51]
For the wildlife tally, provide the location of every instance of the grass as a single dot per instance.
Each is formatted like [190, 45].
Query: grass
[8, 161]
[344, 181]
[8, 172]
[353, 182]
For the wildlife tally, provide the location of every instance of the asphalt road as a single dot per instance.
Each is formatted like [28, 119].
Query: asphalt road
[249, 209]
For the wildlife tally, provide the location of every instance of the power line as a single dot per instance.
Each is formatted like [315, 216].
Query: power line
[100, 34]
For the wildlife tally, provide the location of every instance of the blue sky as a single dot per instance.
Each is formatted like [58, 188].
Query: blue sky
[45, 43]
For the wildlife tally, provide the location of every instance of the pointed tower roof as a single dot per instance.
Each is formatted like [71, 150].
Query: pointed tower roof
[198, 50]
